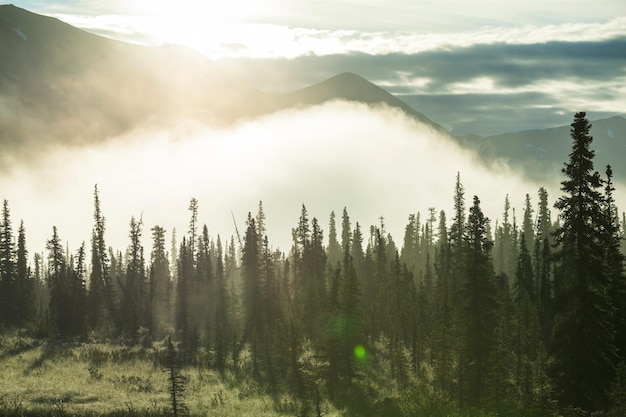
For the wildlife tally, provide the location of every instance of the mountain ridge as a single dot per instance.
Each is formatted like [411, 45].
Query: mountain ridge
[60, 84]
[63, 83]
[540, 152]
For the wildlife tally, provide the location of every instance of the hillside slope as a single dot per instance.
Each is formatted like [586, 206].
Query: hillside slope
[61, 84]
[541, 153]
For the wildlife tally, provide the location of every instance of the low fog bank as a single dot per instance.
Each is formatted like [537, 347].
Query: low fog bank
[375, 162]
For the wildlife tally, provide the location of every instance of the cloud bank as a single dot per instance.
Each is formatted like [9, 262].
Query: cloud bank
[375, 162]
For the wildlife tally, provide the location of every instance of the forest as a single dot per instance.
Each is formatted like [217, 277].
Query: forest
[462, 316]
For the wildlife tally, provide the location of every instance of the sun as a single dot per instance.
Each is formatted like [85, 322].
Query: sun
[202, 25]
[195, 12]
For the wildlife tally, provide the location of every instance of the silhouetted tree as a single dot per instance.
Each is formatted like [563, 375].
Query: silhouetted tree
[479, 310]
[103, 303]
[134, 291]
[24, 283]
[583, 345]
[8, 270]
[160, 285]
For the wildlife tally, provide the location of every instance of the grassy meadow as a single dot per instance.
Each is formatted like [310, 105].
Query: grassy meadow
[46, 378]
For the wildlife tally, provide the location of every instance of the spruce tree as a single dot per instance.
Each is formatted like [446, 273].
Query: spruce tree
[445, 330]
[134, 302]
[479, 310]
[159, 310]
[58, 284]
[526, 326]
[614, 264]
[24, 284]
[333, 249]
[543, 276]
[103, 303]
[8, 269]
[583, 345]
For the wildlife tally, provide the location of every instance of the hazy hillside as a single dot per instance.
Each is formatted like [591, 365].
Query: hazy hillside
[59, 83]
[353, 87]
[540, 152]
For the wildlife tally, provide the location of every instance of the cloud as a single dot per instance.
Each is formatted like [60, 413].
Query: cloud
[375, 162]
[567, 76]
[566, 64]
[272, 40]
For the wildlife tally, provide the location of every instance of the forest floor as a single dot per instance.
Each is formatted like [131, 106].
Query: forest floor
[54, 378]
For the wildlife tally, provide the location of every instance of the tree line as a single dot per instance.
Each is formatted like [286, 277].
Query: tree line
[484, 315]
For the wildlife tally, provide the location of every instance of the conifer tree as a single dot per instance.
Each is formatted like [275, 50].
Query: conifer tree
[77, 296]
[526, 326]
[160, 285]
[193, 227]
[444, 343]
[204, 296]
[250, 261]
[456, 241]
[222, 316]
[527, 225]
[409, 249]
[8, 270]
[58, 284]
[543, 274]
[333, 249]
[583, 344]
[24, 284]
[184, 293]
[614, 264]
[134, 287]
[479, 310]
[103, 303]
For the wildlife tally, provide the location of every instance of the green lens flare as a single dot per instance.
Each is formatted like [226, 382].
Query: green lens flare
[359, 352]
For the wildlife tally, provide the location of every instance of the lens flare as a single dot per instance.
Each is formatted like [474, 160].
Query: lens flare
[360, 353]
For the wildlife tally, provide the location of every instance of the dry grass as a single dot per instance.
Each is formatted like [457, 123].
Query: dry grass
[73, 379]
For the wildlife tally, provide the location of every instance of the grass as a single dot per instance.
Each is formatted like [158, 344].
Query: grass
[77, 379]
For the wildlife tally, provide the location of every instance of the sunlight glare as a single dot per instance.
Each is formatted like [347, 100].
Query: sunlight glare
[195, 23]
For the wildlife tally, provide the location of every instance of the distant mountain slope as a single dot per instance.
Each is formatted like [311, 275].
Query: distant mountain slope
[59, 83]
[352, 87]
[542, 153]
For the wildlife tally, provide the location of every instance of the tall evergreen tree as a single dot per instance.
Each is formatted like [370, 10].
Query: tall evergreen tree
[543, 268]
[250, 260]
[103, 303]
[583, 345]
[445, 330]
[479, 310]
[527, 225]
[8, 270]
[160, 285]
[135, 300]
[58, 284]
[24, 284]
[614, 264]
[77, 295]
[333, 249]
[222, 315]
[527, 335]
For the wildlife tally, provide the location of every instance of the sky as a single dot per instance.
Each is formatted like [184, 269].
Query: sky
[482, 67]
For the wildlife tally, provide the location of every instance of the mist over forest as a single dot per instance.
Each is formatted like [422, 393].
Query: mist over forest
[374, 161]
[188, 235]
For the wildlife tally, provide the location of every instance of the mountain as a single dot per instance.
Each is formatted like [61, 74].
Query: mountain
[62, 84]
[352, 87]
[541, 153]
[59, 84]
